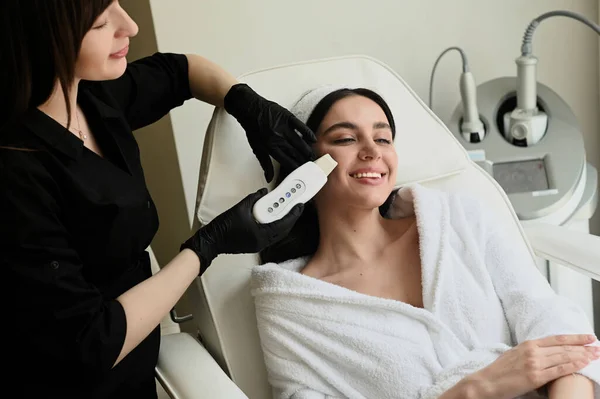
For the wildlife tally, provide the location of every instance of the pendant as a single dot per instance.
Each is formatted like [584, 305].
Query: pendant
[82, 135]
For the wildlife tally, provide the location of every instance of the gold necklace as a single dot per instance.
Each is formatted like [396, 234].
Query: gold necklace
[82, 135]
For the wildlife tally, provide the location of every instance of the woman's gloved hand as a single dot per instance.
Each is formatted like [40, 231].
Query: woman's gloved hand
[236, 232]
[270, 129]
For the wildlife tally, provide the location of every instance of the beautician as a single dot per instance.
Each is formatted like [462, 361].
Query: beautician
[81, 307]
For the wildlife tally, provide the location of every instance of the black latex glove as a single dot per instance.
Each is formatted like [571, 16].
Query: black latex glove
[236, 232]
[270, 129]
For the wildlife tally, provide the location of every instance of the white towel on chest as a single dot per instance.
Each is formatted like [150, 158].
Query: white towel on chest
[481, 293]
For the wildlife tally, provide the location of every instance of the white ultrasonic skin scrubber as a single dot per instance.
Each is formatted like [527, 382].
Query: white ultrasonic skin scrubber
[298, 187]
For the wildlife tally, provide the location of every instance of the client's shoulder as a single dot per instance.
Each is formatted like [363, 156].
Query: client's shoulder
[478, 213]
[458, 195]
[456, 198]
[272, 274]
[460, 204]
[294, 265]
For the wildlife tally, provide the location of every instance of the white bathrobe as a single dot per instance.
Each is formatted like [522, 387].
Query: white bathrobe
[482, 294]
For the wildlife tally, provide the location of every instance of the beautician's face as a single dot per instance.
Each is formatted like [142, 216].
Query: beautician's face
[105, 45]
[356, 133]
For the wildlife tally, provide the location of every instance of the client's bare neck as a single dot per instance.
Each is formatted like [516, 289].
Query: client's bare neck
[349, 235]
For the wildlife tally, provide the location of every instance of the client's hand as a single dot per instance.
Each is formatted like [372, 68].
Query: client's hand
[236, 232]
[532, 364]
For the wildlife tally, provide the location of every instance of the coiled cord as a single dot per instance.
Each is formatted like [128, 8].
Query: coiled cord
[527, 38]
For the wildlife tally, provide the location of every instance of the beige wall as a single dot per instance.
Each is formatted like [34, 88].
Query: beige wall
[244, 35]
[158, 152]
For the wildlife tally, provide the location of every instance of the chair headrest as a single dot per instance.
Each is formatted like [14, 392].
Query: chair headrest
[229, 171]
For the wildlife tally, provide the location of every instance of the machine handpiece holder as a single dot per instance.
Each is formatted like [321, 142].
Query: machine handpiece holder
[526, 124]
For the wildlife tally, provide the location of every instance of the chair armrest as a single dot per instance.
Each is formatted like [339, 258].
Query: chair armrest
[186, 370]
[574, 249]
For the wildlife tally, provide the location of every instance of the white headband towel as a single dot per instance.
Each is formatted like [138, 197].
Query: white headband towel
[309, 100]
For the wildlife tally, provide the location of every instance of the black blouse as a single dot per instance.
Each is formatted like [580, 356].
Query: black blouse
[74, 227]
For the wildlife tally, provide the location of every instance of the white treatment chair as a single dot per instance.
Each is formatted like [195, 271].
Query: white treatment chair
[229, 363]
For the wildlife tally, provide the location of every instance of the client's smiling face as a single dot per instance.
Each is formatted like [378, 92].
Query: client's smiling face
[356, 133]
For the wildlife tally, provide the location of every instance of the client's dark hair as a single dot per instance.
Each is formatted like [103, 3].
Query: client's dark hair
[303, 239]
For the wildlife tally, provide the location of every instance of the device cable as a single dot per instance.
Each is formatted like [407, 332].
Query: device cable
[465, 68]
[527, 38]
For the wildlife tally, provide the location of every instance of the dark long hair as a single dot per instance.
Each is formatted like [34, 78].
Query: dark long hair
[303, 239]
[40, 44]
